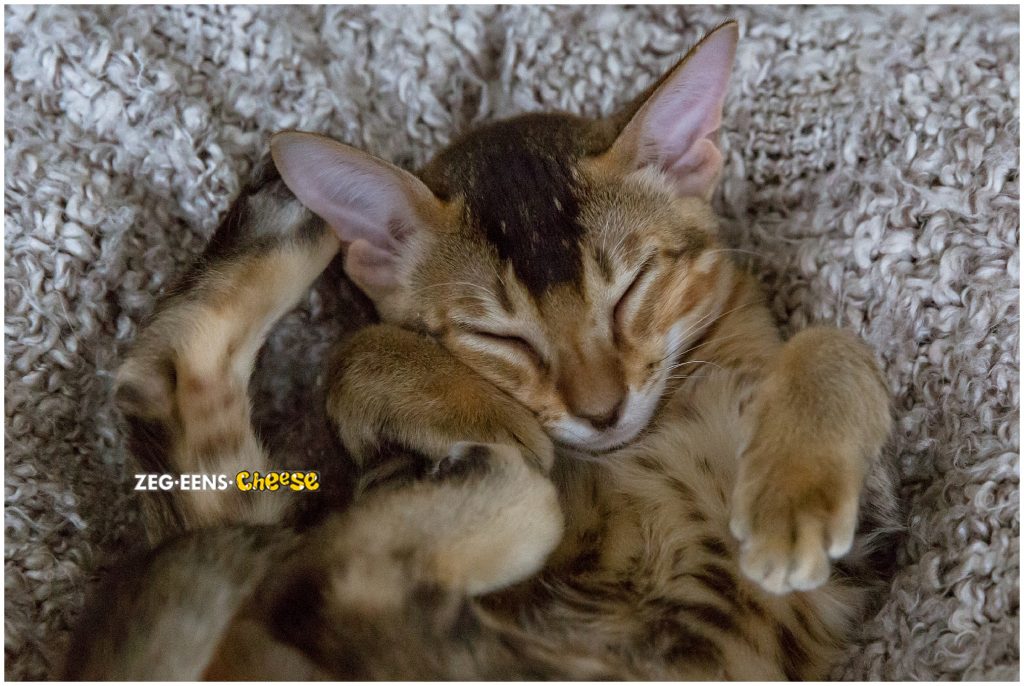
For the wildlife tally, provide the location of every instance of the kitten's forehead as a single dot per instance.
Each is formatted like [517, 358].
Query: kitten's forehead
[521, 187]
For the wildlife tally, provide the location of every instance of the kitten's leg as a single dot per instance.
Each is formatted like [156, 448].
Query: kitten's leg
[183, 386]
[480, 505]
[393, 386]
[821, 418]
[162, 614]
[383, 591]
[455, 501]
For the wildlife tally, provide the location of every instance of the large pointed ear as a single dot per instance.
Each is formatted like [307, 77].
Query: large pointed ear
[375, 207]
[674, 127]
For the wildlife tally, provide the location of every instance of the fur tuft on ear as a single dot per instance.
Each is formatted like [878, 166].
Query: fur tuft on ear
[674, 127]
[374, 206]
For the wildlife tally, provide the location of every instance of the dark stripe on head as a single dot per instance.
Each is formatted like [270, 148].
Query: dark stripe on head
[502, 294]
[604, 264]
[521, 191]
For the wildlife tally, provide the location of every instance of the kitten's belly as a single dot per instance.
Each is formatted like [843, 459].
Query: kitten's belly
[650, 542]
[675, 483]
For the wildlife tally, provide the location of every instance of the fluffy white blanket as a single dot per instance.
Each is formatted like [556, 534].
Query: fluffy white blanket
[872, 180]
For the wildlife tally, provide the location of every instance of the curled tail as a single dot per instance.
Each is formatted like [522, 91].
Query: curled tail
[183, 386]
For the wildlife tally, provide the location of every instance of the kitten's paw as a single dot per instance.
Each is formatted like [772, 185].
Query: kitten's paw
[181, 365]
[790, 523]
[505, 517]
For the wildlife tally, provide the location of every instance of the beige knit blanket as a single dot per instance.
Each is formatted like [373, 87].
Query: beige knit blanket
[872, 176]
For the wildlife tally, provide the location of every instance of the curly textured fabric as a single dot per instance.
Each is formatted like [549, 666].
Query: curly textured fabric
[872, 181]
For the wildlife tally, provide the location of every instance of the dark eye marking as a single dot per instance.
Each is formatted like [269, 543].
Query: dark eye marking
[517, 343]
[617, 312]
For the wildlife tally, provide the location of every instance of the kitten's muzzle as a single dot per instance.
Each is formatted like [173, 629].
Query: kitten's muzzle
[594, 390]
[633, 412]
[607, 419]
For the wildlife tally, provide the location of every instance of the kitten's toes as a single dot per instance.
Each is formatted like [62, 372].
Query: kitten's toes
[842, 528]
[788, 533]
[786, 558]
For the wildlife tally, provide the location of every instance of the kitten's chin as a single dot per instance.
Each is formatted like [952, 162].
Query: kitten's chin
[577, 436]
[592, 449]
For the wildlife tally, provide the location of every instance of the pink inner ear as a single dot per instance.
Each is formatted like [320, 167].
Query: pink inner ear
[371, 268]
[355, 224]
[361, 197]
[371, 204]
[696, 172]
[691, 110]
[677, 122]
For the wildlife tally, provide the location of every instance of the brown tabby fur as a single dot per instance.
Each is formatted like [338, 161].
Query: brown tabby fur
[478, 547]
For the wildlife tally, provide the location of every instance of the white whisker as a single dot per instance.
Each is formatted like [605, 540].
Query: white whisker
[710, 341]
[683, 364]
[695, 325]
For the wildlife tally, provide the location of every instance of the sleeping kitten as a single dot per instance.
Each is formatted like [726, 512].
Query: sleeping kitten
[585, 451]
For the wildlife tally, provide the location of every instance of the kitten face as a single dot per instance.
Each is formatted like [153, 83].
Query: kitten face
[576, 292]
[568, 261]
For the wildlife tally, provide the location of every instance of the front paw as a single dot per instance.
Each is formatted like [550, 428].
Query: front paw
[791, 513]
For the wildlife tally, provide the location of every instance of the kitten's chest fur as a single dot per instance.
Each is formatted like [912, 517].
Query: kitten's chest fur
[647, 570]
[674, 479]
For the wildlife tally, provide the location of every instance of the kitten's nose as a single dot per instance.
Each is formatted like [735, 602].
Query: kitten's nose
[605, 420]
[594, 390]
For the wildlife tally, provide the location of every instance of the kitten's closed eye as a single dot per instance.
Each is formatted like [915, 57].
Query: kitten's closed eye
[517, 343]
[620, 310]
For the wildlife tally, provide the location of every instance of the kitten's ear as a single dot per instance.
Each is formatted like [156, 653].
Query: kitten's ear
[374, 206]
[673, 127]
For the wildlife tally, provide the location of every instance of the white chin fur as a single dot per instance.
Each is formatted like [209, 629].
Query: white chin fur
[579, 434]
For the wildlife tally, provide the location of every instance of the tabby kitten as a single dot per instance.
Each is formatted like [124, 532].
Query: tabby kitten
[585, 451]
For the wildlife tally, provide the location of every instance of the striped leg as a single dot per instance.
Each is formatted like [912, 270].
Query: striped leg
[463, 466]
[183, 386]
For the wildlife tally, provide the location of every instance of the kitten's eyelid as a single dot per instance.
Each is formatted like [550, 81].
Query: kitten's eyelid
[638, 276]
[509, 340]
[628, 294]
